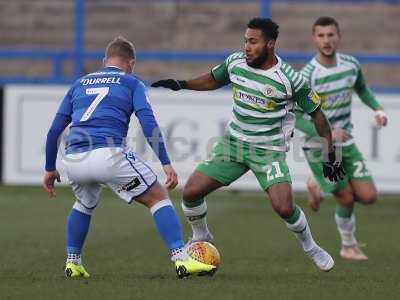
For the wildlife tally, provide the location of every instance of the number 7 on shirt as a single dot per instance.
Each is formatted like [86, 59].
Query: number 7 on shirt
[101, 94]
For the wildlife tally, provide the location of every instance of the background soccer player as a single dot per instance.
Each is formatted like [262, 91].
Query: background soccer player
[265, 89]
[334, 76]
[100, 105]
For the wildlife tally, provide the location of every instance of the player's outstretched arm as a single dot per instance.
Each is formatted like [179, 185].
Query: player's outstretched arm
[205, 82]
[332, 168]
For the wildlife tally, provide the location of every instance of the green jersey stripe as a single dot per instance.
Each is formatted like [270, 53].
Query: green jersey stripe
[300, 86]
[351, 60]
[328, 92]
[338, 111]
[335, 77]
[335, 119]
[296, 78]
[259, 78]
[256, 139]
[253, 120]
[278, 145]
[257, 114]
[270, 132]
[299, 82]
[254, 127]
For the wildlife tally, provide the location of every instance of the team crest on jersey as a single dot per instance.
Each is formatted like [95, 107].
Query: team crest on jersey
[269, 91]
[313, 96]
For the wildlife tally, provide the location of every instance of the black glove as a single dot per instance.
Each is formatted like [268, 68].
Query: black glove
[333, 169]
[171, 84]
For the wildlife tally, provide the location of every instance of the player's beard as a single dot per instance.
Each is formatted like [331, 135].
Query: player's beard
[259, 60]
[328, 55]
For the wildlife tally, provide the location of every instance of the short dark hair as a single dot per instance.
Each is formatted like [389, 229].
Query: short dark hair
[266, 25]
[325, 21]
[120, 47]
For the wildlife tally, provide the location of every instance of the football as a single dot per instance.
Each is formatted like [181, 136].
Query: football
[204, 252]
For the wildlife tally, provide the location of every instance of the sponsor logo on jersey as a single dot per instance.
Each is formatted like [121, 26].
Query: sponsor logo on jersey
[135, 182]
[253, 100]
[330, 101]
[104, 80]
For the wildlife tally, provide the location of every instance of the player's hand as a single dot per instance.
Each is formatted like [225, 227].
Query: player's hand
[381, 118]
[48, 182]
[171, 84]
[172, 177]
[333, 169]
[340, 135]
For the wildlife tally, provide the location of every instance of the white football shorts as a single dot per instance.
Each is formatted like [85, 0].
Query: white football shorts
[118, 168]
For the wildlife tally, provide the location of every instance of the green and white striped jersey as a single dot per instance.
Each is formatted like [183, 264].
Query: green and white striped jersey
[263, 101]
[335, 86]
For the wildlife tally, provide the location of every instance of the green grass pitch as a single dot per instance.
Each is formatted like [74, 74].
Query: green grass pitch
[261, 259]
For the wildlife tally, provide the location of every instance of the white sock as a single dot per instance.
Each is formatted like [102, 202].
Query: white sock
[347, 228]
[302, 232]
[74, 258]
[196, 217]
[179, 254]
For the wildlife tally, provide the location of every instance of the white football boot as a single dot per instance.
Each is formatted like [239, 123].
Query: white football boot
[321, 258]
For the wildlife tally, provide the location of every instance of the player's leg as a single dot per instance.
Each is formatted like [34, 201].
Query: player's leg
[273, 175]
[360, 188]
[344, 215]
[165, 218]
[220, 170]
[280, 195]
[133, 180]
[315, 194]
[87, 196]
[318, 185]
[78, 226]
[361, 181]
[364, 191]
[346, 224]
[194, 205]
[170, 230]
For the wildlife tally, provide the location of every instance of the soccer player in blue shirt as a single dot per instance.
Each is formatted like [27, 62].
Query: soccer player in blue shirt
[99, 106]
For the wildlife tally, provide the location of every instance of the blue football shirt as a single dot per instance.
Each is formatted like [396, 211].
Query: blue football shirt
[100, 105]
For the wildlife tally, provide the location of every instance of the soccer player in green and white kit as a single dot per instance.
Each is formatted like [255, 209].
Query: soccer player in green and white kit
[334, 76]
[265, 89]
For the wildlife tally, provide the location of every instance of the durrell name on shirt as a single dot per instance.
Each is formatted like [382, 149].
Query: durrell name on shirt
[88, 81]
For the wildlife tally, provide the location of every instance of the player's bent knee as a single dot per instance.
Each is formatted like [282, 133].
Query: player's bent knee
[286, 212]
[283, 210]
[345, 197]
[153, 195]
[190, 193]
[368, 199]
[365, 192]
